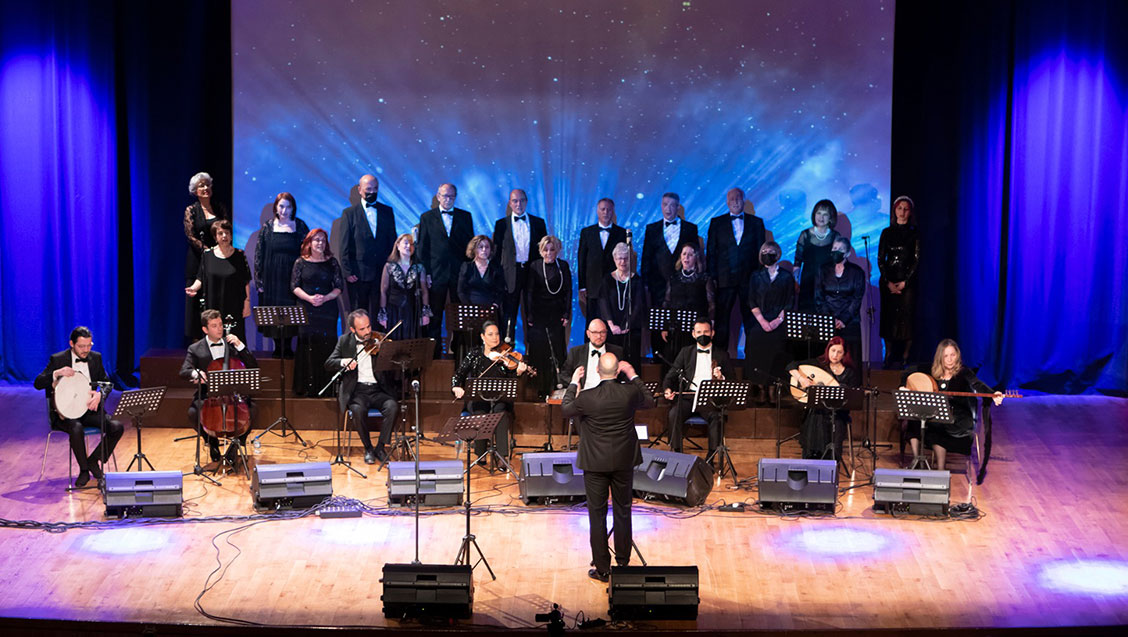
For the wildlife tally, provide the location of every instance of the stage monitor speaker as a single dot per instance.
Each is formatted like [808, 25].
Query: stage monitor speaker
[911, 491]
[440, 483]
[653, 592]
[675, 477]
[147, 494]
[551, 477]
[788, 484]
[428, 590]
[291, 486]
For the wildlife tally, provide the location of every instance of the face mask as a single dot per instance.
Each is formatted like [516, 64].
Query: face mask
[838, 256]
[704, 340]
[370, 197]
[769, 258]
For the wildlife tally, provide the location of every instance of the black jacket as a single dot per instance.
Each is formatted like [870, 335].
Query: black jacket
[657, 266]
[362, 254]
[685, 363]
[59, 360]
[593, 260]
[505, 246]
[346, 350]
[440, 254]
[730, 264]
[578, 357]
[606, 420]
[199, 357]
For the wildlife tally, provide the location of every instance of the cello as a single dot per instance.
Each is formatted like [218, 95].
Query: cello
[226, 416]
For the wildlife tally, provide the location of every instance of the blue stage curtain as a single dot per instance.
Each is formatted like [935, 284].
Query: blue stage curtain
[58, 203]
[1046, 195]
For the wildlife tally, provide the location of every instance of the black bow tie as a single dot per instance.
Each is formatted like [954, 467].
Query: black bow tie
[448, 212]
[602, 229]
[739, 216]
[671, 223]
[595, 352]
[217, 344]
[81, 360]
[702, 351]
[521, 218]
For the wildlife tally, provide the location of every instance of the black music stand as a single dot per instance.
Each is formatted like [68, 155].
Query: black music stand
[724, 395]
[833, 398]
[137, 404]
[923, 406]
[467, 318]
[415, 355]
[224, 382]
[492, 390]
[281, 316]
[661, 319]
[801, 326]
[467, 429]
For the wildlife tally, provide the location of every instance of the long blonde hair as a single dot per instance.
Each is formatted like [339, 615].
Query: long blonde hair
[938, 358]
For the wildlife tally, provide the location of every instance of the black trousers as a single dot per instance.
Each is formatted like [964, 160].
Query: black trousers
[511, 302]
[438, 296]
[212, 441]
[74, 429]
[597, 484]
[367, 396]
[726, 298]
[365, 295]
[501, 433]
[681, 411]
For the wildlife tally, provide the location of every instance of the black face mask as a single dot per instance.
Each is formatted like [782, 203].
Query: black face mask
[838, 256]
[704, 340]
[370, 197]
[769, 258]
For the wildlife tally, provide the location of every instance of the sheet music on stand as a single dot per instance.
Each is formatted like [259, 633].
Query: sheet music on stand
[280, 315]
[836, 397]
[492, 389]
[407, 355]
[801, 326]
[137, 403]
[234, 381]
[664, 319]
[729, 394]
[923, 405]
[470, 428]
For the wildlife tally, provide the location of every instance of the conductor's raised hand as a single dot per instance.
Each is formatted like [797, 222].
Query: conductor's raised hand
[627, 368]
[577, 375]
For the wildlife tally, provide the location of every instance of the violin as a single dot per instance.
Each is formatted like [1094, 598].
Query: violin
[373, 342]
[510, 358]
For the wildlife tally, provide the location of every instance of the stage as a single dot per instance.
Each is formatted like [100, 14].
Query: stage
[1049, 550]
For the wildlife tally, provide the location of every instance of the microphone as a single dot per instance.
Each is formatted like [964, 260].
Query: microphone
[509, 332]
[415, 386]
[630, 236]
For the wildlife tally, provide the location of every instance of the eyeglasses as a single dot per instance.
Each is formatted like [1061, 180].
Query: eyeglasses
[597, 332]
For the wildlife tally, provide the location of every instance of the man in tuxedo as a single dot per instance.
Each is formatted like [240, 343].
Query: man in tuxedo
[608, 453]
[367, 239]
[693, 365]
[361, 387]
[732, 253]
[516, 237]
[444, 233]
[80, 358]
[587, 355]
[661, 248]
[594, 258]
[212, 347]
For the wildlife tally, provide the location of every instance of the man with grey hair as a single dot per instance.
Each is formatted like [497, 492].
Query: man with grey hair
[367, 238]
[608, 453]
[444, 232]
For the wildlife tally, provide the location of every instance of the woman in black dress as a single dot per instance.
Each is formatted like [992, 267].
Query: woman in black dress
[480, 282]
[198, 220]
[622, 305]
[548, 300]
[224, 280]
[839, 288]
[315, 280]
[480, 362]
[689, 289]
[812, 251]
[403, 292]
[815, 431]
[950, 375]
[898, 254]
[771, 292]
[279, 244]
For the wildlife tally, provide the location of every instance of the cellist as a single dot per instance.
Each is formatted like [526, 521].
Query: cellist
[215, 347]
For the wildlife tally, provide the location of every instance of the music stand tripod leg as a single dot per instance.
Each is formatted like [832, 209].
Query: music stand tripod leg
[340, 459]
[469, 539]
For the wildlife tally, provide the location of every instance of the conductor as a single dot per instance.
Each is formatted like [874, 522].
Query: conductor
[609, 452]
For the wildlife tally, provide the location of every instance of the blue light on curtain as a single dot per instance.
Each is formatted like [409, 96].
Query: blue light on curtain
[58, 203]
[1063, 213]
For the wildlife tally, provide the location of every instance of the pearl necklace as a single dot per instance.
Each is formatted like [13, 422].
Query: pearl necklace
[547, 286]
[815, 233]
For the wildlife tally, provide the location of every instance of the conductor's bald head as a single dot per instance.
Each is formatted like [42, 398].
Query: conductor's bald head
[608, 366]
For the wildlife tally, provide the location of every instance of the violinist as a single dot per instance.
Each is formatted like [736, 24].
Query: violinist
[361, 387]
[696, 363]
[488, 362]
[215, 347]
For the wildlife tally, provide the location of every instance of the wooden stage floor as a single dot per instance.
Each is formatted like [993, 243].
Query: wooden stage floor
[1051, 548]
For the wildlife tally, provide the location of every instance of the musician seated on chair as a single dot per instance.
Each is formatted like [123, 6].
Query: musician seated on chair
[834, 367]
[482, 362]
[80, 360]
[217, 351]
[949, 374]
[693, 365]
[587, 356]
[361, 387]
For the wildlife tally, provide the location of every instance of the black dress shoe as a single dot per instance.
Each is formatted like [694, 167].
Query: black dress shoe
[96, 471]
[82, 479]
[381, 455]
[370, 457]
[596, 575]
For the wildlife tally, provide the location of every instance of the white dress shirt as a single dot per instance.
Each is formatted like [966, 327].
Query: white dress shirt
[370, 212]
[703, 371]
[448, 218]
[591, 374]
[520, 228]
[737, 226]
[604, 235]
[364, 366]
[671, 230]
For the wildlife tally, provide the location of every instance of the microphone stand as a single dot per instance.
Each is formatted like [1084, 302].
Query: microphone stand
[682, 383]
